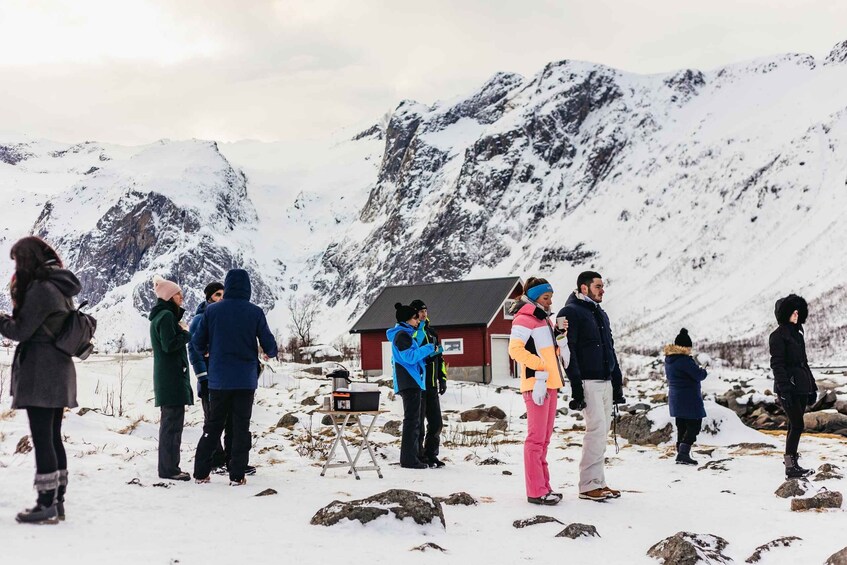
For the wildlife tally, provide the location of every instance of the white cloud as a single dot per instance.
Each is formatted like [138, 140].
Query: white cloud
[134, 71]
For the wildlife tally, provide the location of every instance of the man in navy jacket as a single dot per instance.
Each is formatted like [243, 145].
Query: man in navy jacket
[228, 332]
[595, 377]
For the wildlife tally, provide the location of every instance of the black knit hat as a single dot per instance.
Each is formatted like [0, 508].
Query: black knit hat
[211, 289]
[417, 304]
[682, 339]
[404, 313]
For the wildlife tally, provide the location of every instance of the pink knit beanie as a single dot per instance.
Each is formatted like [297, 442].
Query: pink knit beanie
[164, 288]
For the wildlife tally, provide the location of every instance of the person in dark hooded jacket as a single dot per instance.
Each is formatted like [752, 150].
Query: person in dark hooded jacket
[431, 422]
[793, 380]
[213, 292]
[229, 332]
[171, 378]
[43, 377]
[685, 400]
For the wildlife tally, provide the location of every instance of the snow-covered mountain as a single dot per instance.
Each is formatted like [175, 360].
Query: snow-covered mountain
[701, 197]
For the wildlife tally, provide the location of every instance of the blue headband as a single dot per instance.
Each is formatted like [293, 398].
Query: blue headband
[535, 292]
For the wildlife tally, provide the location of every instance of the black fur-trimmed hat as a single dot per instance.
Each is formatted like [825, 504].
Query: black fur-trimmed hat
[784, 307]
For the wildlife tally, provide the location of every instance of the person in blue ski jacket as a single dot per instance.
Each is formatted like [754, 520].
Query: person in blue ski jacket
[408, 363]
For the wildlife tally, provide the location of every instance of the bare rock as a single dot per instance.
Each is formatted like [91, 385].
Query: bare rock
[83, 411]
[309, 401]
[267, 492]
[326, 420]
[401, 503]
[540, 519]
[637, 429]
[490, 461]
[686, 548]
[822, 500]
[288, 421]
[793, 487]
[499, 426]
[457, 499]
[427, 546]
[828, 471]
[780, 542]
[838, 558]
[482, 414]
[393, 428]
[716, 465]
[24, 446]
[575, 530]
[825, 422]
[659, 398]
[841, 406]
[825, 401]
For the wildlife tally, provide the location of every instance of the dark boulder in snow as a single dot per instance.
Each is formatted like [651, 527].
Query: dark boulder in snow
[399, 503]
[825, 422]
[685, 548]
[838, 558]
[793, 487]
[826, 499]
[638, 429]
[780, 542]
[287, 421]
[575, 530]
[393, 428]
[540, 519]
[828, 471]
[457, 499]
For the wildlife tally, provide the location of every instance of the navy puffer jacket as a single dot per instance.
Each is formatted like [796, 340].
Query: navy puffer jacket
[228, 332]
[685, 398]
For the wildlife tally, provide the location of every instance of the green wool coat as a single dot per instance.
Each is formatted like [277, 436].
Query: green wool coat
[171, 380]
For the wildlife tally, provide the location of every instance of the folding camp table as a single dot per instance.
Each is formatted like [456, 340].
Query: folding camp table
[340, 420]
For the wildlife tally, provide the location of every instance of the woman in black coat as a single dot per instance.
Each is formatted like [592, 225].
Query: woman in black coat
[43, 378]
[795, 386]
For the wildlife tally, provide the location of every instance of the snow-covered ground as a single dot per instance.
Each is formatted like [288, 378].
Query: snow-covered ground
[112, 520]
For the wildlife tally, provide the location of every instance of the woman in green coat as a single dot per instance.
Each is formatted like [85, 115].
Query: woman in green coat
[171, 382]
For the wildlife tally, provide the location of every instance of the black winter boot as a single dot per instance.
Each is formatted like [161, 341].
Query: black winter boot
[44, 511]
[793, 470]
[60, 493]
[683, 456]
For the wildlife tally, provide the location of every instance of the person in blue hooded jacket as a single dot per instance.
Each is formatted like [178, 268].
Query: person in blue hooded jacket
[214, 292]
[685, 399]
[407, 359]
[228, 332]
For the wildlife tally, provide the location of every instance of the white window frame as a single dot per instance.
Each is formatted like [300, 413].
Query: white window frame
[461, 349]
[506, 305]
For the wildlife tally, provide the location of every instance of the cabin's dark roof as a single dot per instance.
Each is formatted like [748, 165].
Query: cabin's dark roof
[462, 303]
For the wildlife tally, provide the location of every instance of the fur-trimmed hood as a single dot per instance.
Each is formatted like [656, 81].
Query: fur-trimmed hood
[671, 349]
[784, 307]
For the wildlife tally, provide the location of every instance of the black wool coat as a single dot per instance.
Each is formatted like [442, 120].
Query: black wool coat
[42, 376]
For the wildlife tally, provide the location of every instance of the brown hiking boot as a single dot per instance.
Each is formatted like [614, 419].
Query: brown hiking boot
[611, 493]
[596, 494]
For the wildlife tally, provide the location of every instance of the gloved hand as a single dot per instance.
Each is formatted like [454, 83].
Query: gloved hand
[577, 397]
[438, 351]
[539, 390]
[617, 395]
[442, 386]
[786, 400]
[204, 389]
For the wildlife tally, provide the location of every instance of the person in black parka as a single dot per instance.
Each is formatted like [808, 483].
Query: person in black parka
[436, 384]
[793, 380]
[43, 377]
[685, 400]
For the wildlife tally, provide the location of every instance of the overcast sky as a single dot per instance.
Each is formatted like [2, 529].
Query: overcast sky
[133, 71]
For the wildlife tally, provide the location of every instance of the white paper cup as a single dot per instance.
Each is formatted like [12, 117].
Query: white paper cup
[560, 322]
